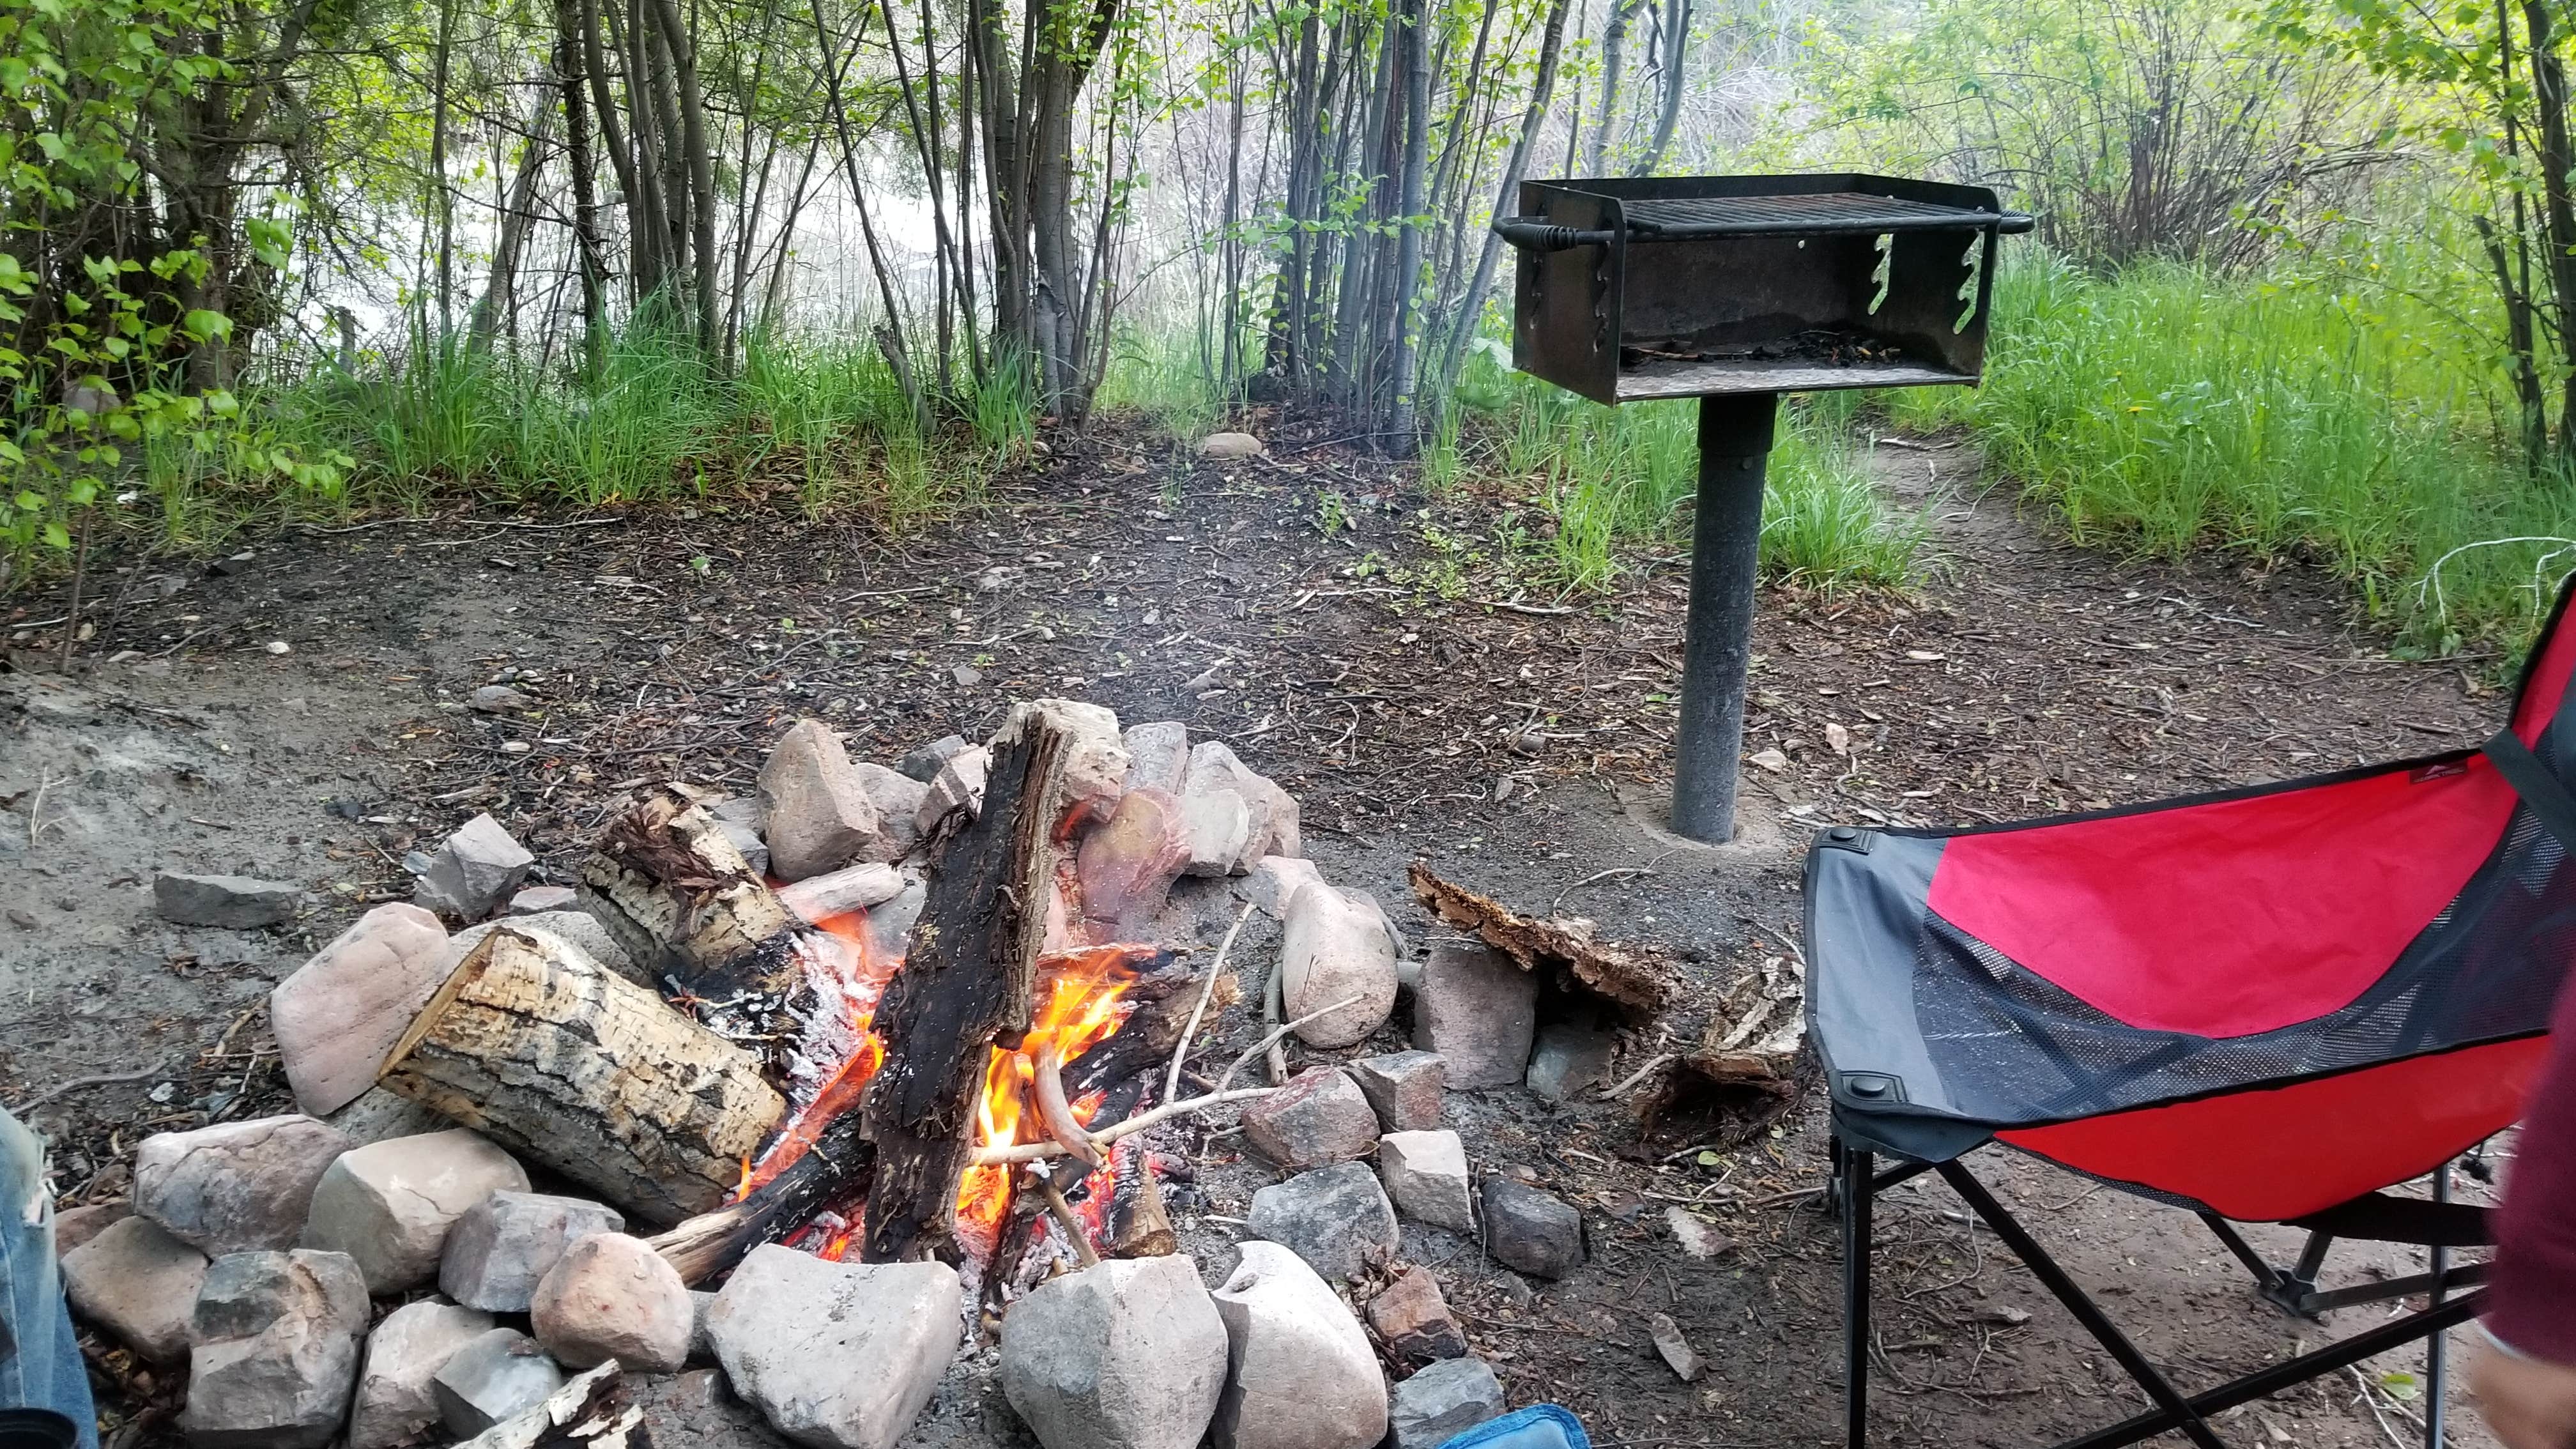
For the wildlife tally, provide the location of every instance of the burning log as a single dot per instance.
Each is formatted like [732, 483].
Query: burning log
[1627, 979]
[834, 1169]
[538, 1047]
[967, 982]
[682, 901]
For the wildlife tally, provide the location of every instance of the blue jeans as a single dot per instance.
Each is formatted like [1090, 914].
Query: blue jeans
[44, 1390]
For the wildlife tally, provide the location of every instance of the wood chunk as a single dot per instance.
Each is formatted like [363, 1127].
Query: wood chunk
[558, 1059]
[676, 893]
[1633, 980]
[967, 983]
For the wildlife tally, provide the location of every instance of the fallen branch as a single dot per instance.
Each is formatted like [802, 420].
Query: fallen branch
[1207, 988]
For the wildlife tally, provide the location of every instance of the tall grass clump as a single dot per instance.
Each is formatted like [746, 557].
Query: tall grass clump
[2165, 408]
[1616, 475]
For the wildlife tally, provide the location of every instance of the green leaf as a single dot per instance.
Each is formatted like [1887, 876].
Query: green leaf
[204, 325]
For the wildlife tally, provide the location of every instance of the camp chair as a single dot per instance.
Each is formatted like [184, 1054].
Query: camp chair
[2262, 1005]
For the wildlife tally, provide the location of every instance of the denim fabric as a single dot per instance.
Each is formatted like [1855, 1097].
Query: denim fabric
[44, 1390]
[1540, 1426]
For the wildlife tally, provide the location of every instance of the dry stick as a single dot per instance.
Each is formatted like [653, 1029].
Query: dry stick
[1062, 1212]
[1057, 1114]
[1271, 1009]
[1207, 988]
[1217, 1096]
[76, 1083]
[1638, 1075]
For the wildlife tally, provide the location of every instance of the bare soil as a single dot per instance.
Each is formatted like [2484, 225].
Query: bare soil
[1387, 656]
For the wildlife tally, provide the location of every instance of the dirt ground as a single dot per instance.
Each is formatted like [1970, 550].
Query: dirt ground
[1387, 657]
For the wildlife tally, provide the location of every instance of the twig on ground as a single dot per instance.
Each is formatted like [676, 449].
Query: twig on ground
[1616, 872]
[1639, 1075]
[76, 1083]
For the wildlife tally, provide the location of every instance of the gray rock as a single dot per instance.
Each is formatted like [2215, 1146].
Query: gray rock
[1426, 1176]
[1336, 1218]
[1158, 754]
[234, 902]
[611, 1297]
[1218, 827]
[1446, 1399]
[74, 1228]
[702, 1348]
[1126, 1354]
[237, 1186]
[380, 1114]
[415, 1341]
[495, 699]
[496, 1376]
[576, 928]
[739, 819]
[1413, 1319]
[542, 900]
[922, 762]
[890, 924]
[506, 1244]
[1405, 1088]
[898, 798]
[815, 811]
[1274, 880]
[575, 1407]
[1213, 766]
[275, 1350]
[1300, 1372]
[1569, 1058]
[472, 871]
[788, 1328]
[1531, 1230]
[390, 1204]
[341, 1013]
[1318, 1118]
[139, 1283]
[1334, 950]
[959, 785]
[1477, 1009]
[1227, 446]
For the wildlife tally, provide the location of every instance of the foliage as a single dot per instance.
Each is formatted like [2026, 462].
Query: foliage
[2167, 409]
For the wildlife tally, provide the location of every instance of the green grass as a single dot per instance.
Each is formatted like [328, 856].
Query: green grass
[1612, 477]
[2167, 410]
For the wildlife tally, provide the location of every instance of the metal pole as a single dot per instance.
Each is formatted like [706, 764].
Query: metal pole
[1859, 1186]
[1734, 441]
[2436, 1367]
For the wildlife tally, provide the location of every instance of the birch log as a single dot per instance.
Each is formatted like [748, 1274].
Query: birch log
[682, 901]
[548, 1053]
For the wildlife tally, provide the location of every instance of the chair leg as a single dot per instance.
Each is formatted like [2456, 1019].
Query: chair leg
[2108, 1334]
[1859, 1187]
[2436, 1358]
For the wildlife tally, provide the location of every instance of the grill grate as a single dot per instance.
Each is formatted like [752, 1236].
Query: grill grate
[1819, 211]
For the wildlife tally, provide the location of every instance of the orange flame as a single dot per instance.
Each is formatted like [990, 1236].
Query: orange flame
[1082, 1001]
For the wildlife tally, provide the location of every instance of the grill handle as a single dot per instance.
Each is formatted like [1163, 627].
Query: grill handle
[1539, 234]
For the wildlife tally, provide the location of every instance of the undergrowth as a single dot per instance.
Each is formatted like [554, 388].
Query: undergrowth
[2324, 418]
[1612, 477]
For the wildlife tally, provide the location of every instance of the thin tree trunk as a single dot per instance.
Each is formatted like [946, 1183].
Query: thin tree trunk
[1349, 355]
[570, 77]
[1614, 47]
[438, 168]
[643, 267]
[700, 158]
[1471, 309]
[2549, 99]
[650, 213]
[1407, 277]
[517, 215]
[890, 333]
[1677, 18]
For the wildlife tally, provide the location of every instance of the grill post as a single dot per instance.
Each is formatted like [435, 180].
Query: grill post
[1735, 431]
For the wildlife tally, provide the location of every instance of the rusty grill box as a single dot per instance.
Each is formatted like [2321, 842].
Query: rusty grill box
[1696, 286]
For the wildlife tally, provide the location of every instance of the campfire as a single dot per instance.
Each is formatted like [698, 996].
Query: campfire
[895, 1055]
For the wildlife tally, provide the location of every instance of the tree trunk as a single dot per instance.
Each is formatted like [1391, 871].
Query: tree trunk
[699, 156]
[571, 76]
[1407, 277]
[1676, 60]
[890, 334]
[541, 1049]
[518, 215]
[2558, 214]
[966, 983]
[649, 212]
[1471, 310]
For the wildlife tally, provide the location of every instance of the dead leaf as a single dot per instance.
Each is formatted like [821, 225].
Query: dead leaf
[1837, 739]
[1771, 760]
[1697, 1238]
[1676, 1350]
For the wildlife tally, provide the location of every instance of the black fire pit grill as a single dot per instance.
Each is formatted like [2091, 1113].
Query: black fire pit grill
[1734, 290]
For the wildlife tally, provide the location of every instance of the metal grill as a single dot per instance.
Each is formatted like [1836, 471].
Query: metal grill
[1823, 213]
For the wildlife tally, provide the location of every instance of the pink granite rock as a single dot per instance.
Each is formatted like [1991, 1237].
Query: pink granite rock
[343, 1010]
